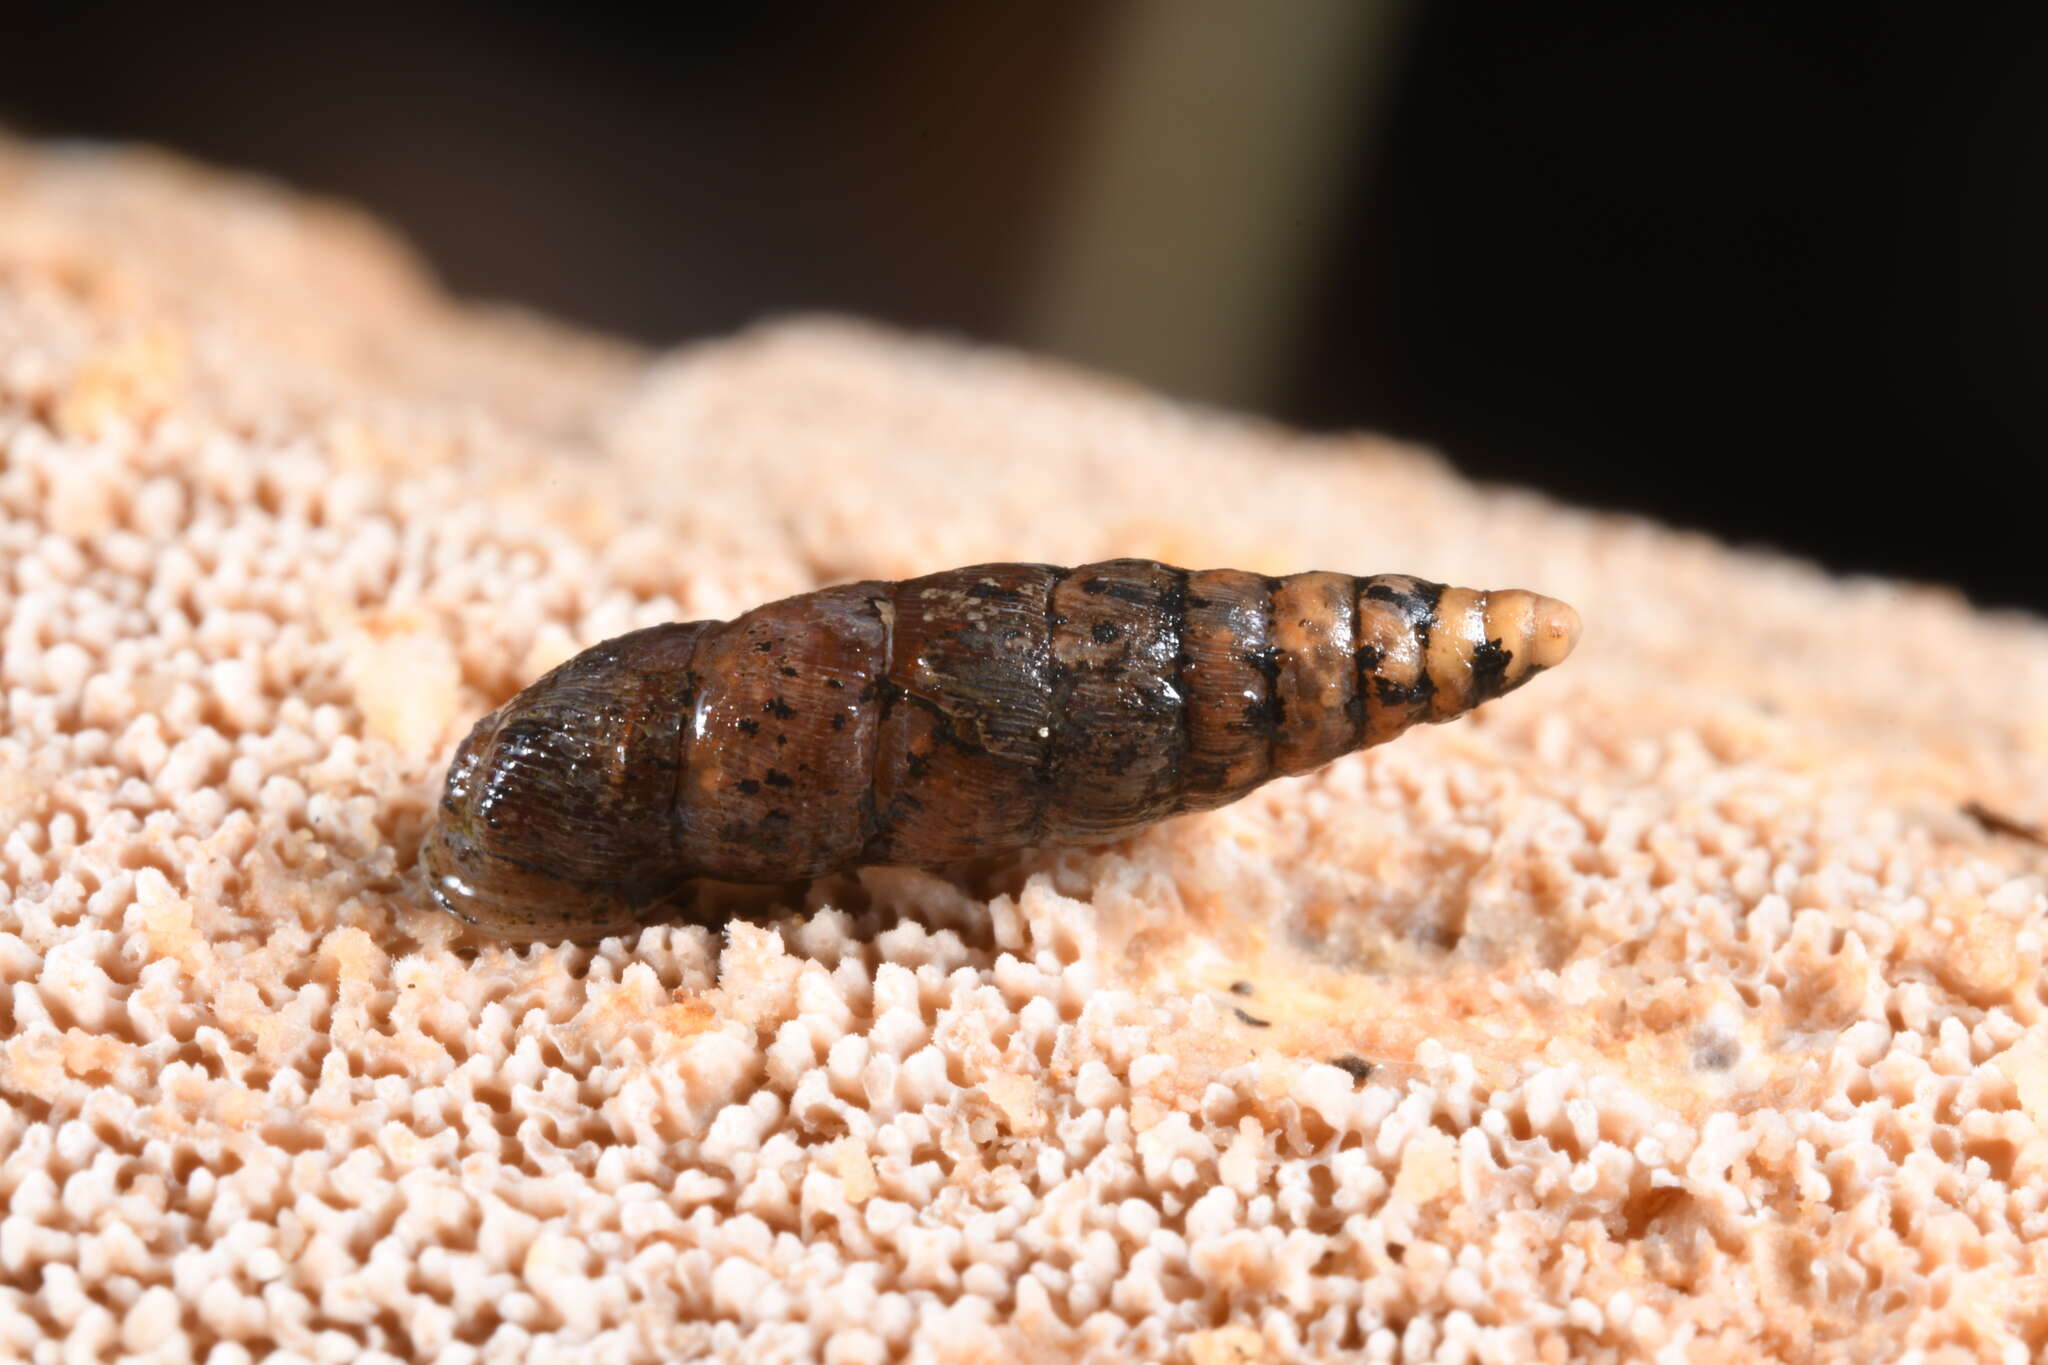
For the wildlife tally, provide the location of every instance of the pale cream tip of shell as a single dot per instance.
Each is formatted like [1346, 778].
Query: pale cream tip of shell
[1557, 631]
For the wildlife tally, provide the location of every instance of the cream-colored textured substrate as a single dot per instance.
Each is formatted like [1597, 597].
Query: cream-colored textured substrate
[1703, 1023]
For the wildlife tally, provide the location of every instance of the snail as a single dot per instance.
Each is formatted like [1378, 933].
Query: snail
[943, 718]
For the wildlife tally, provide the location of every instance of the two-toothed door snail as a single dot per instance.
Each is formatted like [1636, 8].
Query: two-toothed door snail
[943, 718]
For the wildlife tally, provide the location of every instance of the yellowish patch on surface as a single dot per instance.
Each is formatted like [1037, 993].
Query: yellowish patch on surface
[168, 928]
[2026, 1065]
[1980, 962]
[351, 955]
[133, 380]
[87, 1054]
[236, 1108]
[407, 682]
[856, 1171]
[1016, 1099]
[1429, 1167]
[689, 1015]
[1234, 1345]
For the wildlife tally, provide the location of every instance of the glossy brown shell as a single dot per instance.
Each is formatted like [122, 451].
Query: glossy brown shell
[942, 718]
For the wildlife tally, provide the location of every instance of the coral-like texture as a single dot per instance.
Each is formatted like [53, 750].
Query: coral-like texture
[1675, 1008]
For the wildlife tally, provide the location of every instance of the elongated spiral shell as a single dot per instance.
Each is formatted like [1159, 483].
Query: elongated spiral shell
[942, 718]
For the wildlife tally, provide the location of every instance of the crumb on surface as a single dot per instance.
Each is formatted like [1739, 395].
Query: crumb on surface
[1668, 1009]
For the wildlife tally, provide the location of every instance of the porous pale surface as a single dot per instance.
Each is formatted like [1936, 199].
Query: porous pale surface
[1704, 1024]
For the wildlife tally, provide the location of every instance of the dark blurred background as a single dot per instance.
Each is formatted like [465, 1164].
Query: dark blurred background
[1773, 271]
